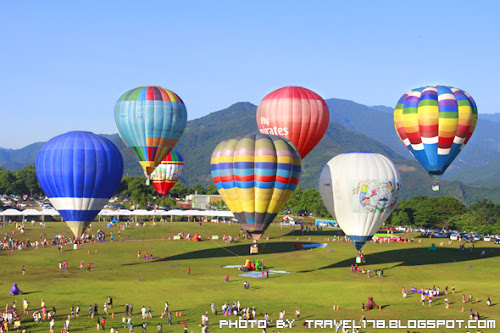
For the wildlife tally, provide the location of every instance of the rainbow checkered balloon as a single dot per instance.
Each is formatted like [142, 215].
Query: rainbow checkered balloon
[435, 123]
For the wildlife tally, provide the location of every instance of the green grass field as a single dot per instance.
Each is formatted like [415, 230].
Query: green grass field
[318, 278]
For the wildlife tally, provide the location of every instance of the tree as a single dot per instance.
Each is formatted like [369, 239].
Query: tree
[211, 189]
[178, 190]
[28, 176]
[197, 189]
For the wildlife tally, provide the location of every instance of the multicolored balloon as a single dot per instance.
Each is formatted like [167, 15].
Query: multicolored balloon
[295, 113]
[435, 123]
[79, 172]
[361, 189]
[256, 175]
[150, 121]
[168, 172]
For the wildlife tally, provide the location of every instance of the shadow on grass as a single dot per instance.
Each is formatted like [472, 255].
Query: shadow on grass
[324, 233]
[416, 257]
[231, 251]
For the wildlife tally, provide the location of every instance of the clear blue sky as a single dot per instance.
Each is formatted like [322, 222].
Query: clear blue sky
[65, 63]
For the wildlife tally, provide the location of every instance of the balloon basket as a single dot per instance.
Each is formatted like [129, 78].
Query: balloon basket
[435, 185]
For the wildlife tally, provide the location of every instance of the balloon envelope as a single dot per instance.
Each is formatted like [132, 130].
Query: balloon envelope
[435, 123]
[168, 172]
[256, 175]
[79, 172]
[295, 113]
[150, 121]
[361, 189]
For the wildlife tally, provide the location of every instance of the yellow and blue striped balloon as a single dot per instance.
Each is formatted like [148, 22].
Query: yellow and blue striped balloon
[256, 175]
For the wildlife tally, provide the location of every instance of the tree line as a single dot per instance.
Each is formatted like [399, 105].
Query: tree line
[447, 213]
[421, 211]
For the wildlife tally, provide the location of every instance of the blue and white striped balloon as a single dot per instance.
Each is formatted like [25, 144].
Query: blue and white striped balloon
[79, 171]
[361, 189]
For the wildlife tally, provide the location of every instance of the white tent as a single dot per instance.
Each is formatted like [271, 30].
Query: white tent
[49, 212]
[32, 212]
[123, 212]
[141, 212]
[107, 212]
[176, 212]
[11, 212]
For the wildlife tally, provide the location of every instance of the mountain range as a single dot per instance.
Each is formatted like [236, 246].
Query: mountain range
[473, 176]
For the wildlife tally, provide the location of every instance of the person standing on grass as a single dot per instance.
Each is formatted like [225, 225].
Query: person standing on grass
[52, 325]
[24, 270]
[189, 270]
[488, 301]
[169, 316]
[227, 278]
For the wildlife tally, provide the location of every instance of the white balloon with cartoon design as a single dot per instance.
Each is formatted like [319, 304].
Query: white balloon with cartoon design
[361, 190]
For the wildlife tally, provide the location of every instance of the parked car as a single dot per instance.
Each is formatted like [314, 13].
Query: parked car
[454, 237]
[497, 241]
[487, 238]
[477, 237]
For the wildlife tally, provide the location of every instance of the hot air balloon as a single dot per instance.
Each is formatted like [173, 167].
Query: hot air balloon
[150, 121]
[295, 113]
[168, 172]
[256, 175]
[79, 172]
[361, 189]
[435, 123]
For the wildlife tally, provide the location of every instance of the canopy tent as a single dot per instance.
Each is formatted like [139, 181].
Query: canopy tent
[32, 212]
[123, 212]
[142, 212]
[107, 212]
[11, 212]
[50, 212]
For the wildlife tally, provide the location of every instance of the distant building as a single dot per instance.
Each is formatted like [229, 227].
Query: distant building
[203, 201]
